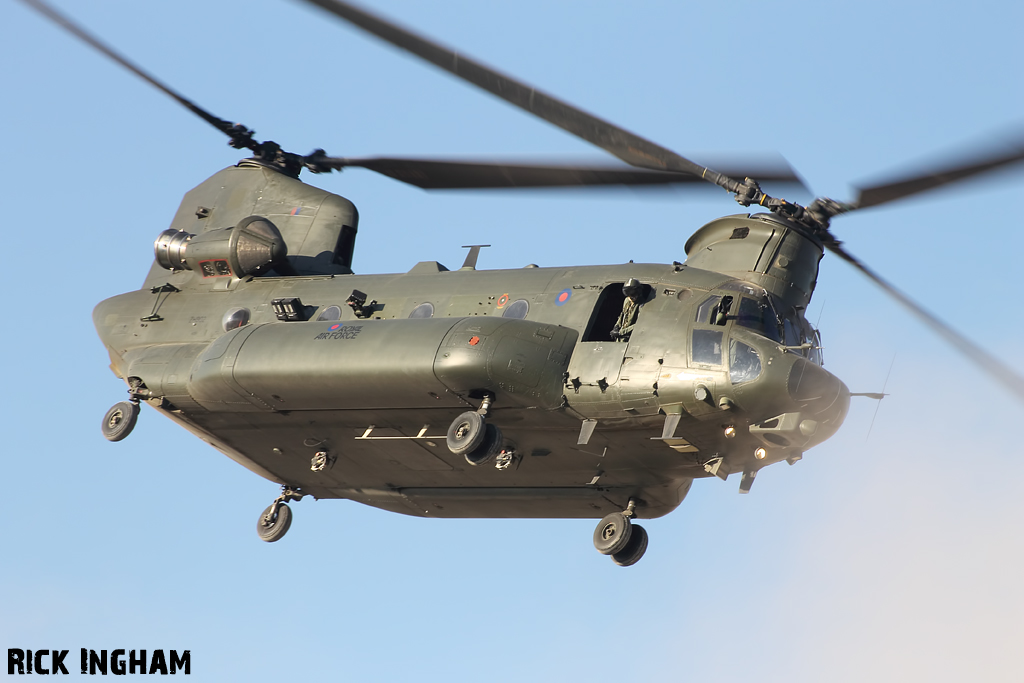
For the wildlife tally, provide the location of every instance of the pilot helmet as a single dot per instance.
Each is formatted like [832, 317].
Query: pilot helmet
[632, 288]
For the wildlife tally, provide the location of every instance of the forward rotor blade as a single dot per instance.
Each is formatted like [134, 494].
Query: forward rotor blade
[443, 174]
[238, 134]
[997, 370]
[905, 187]
[627, 146]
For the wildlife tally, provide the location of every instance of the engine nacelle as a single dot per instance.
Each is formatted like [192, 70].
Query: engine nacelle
[252, 247]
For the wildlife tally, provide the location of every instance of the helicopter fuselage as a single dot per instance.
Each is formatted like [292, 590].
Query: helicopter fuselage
[344, 386]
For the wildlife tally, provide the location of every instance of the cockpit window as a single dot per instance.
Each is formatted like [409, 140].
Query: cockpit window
[707, 347]
[706, 309]
[744, 363]
[759, 317]
[814, 353]
[792, 333]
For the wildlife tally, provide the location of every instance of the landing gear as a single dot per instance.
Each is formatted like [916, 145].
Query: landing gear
[120, 420]
[466, 433]
[471, 436]
[488, 448]
[617, 536]
[634, 549]
[275, 521]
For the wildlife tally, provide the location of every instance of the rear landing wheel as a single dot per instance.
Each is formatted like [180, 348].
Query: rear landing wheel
[120, 420]
[272, 526]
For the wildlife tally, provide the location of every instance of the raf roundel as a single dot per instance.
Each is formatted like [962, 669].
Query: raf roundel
[335, 327]
[563, 297]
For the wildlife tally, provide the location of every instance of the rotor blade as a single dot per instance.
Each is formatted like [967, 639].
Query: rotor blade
[905, 187]
[238, 134]
[997, 370]
[453, 174]
[627, 146]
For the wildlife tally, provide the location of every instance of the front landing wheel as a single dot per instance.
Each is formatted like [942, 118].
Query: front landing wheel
[635, 548]
[120, 420]
[466, 433]
[272, 526]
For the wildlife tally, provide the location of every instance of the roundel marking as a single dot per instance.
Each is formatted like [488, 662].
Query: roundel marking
[335, 327]
[562, 297]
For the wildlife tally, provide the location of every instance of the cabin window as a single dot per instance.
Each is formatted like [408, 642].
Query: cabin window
[236, 317]
[707, 347]
[517, 309]
[424, 310]
[606, 313]
[744, 363]
[330, 313]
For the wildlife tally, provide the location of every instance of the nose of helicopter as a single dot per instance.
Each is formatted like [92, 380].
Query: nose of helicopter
[796, 404]
[822, 397]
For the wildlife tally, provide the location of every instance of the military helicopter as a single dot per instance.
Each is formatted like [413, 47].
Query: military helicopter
[486, 393]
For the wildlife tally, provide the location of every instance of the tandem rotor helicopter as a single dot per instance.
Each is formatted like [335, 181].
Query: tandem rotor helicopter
[582, 392]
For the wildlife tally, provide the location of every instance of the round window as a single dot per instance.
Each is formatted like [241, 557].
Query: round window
[236, 317]
[424, 310]
[330, 313]
[517, 309]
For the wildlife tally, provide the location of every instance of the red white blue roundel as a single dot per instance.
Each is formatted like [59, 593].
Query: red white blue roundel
[563, 297]
[335, 327]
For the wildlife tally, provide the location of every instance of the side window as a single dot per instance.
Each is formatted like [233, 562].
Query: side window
[707, 347]
[330, 313]
[516, 309]
[424, 310]
[236, 317]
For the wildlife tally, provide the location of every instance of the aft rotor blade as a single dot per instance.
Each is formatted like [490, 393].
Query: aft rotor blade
[905, 187]
[452, 174]
[997, 370]
[631, 148]
[241, 138]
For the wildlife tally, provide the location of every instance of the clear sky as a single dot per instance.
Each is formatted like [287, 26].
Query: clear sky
[894, 557]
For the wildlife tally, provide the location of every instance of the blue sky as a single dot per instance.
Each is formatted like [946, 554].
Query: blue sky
[894, 557]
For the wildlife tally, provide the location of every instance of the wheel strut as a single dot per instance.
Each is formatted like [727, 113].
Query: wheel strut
[275, 521]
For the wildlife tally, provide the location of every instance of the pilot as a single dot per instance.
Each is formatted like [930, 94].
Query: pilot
[633, 291]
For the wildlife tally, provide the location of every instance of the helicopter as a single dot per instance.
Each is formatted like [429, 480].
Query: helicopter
[486, 393]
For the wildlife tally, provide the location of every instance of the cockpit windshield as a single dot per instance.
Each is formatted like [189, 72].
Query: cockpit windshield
[759, 316]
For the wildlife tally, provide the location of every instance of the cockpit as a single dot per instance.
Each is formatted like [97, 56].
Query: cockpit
[754, 309]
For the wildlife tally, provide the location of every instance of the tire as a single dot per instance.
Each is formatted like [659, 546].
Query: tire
[488, 449]
[635, 548]
[276, 530]
[120, 420]
[466, 433]
[612, 533]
